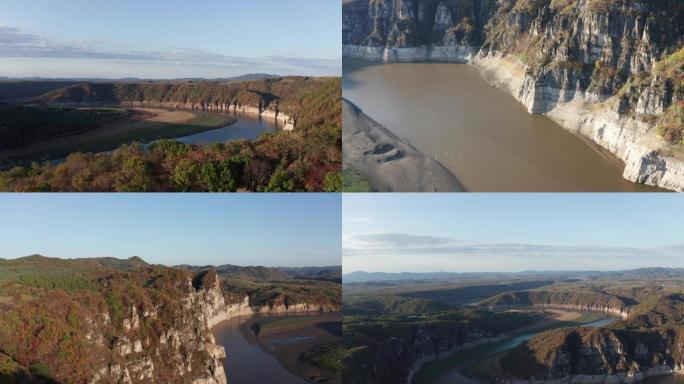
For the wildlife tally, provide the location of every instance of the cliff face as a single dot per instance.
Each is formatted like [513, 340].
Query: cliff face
[234, 98]
[576, 300]
[291, 101]
[394, 353]
[647, 343]
[391, 349]
[180, 350]
[610, 70]
[586, 355]
[105, 323]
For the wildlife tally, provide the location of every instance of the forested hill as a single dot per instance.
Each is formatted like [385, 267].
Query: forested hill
[308, 158]
[108, 320]
[298, 97]
[261, 273]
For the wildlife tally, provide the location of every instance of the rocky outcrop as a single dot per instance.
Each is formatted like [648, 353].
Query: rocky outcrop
[593, 66]
[574, 300]
[295, 308]
[388, 163]
[588, 356]
[444, 354]
[183, 349]
[647, 342]
[278, 99]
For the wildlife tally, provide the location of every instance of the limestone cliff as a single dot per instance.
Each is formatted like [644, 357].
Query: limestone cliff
[610, 70]
[156, 345]
[113, 321]
[289, 101]
[391, 349]
[646, 343]
[591, 301]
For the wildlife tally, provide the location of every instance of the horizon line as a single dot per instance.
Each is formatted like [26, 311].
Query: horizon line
[166, 265]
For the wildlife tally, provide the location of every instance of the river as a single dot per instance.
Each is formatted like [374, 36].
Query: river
[452, 373]
[248, 363]
[480, 133]
[246, 127]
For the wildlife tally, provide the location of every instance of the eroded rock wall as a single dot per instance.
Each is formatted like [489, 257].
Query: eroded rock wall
[591, 65]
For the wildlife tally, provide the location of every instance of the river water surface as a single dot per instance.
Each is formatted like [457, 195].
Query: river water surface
[454, 375]
[480, 133]
[246, 127]
[247, 363]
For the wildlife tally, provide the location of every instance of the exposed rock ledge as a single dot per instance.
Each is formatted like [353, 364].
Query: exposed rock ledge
[283, 121]
[596, 308]
[201, 309]
[633, 141]
[388, 163]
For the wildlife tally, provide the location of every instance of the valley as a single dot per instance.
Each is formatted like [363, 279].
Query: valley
[579, 327]
[607, 72]
[501, 148]
[140, 322]
[272, 134]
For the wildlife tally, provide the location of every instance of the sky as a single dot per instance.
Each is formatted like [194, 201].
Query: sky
[169, 38]
[290, 230]
[511, 232]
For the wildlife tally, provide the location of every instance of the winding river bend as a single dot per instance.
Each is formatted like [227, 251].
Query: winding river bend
[246, 127]
[480, 133]
[452, 373]
[248, 363]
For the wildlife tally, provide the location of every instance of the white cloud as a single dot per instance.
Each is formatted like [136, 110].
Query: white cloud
[15, 43]
[398, 252]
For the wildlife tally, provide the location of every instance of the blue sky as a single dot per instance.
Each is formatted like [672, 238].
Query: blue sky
[171, 229]
[169, 38]
[511, 232]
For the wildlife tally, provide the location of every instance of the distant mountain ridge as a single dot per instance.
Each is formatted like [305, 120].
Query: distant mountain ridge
[326, 273]
[653, 272]
[245, 77]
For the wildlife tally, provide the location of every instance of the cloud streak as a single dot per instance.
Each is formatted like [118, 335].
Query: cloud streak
[17, 44]
[398, 248]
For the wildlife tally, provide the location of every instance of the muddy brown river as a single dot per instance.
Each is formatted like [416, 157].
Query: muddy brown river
[248, 363]
[480, 133]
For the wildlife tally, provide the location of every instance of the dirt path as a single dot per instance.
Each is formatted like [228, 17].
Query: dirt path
[136, 121]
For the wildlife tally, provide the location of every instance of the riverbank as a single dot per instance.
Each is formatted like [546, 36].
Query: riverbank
[386, 162]
[283, 335]
[465, 364]
[139, 124]
[287, 337]
[646, 158]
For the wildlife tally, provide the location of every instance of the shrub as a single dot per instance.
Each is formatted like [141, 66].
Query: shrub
[185, 174]
[216, 176]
